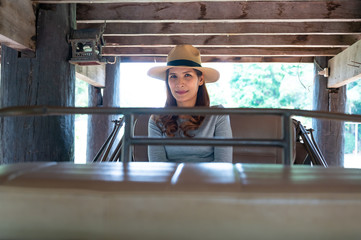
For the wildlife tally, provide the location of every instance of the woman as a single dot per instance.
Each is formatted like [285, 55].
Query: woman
[185, 83]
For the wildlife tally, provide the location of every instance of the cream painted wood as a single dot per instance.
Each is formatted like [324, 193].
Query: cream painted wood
[345, 67]
[178, 201]
[94, 75]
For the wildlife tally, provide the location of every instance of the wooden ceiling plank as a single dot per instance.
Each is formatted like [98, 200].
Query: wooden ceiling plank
[128, 51]
[228, 59]
[345, 67]
[239, 41]
[275, 28]
[147, 1]
[17, 27]
[221, 10]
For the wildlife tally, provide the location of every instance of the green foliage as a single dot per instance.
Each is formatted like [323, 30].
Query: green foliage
[81, 93]
[349, 138]
[353, 106]
[272, 86]
[353, 98]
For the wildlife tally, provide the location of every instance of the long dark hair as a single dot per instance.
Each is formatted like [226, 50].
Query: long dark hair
[168, 123]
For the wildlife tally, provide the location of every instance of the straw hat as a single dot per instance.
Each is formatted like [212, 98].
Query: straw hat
[184, 56]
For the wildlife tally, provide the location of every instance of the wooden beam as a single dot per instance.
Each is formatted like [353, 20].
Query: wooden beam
[216, 28]
[230, 51]
[17, 25]
[239, 41]
[147, 1]
[258, 11]
[345, 67]
[228, 59]
[48, 79]
[94, 75]
[329, 134]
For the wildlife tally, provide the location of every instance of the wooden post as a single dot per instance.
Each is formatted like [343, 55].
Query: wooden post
[100, 126]
[47, 79]
[328, 133]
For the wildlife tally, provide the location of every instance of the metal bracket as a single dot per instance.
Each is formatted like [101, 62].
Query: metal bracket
[324, 72]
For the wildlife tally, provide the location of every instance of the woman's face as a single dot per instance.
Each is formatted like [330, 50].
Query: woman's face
[184, 84]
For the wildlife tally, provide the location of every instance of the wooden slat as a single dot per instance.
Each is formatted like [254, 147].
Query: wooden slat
[223, 29]
[345, 67]
[94, 75]
[17, 28]
[230, 51]
[228, 59]
[250, 28]
[240, 41]
[230, 10]
[147, 1]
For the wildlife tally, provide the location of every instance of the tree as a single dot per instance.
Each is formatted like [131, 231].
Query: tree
[271, 86]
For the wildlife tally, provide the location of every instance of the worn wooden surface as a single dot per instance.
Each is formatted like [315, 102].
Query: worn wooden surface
[229, 10]
[220, 28]
[17, 24]
[47, 79]
[231, 41]
[345, 67]
[100, 126]
[328, 133]
[224, 52]
[179, 201]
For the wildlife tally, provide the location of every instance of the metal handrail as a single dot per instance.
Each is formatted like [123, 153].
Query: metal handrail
[129, 139]
[56, 111]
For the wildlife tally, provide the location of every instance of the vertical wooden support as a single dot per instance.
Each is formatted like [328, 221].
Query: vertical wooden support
[100, 126]
[47, 79]
[328, 133]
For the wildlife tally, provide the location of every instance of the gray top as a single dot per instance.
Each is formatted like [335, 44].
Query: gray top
[212, 126]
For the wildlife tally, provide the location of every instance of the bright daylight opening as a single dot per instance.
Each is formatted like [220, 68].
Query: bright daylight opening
[248, 85]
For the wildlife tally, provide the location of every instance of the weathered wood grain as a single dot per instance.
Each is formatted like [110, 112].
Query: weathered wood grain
[345, 67]
[147, 1]
[286, 59]
[328, 133]
[230, 10]
[240, 28]
[48, 79]
[232, 41]
[229, 51]
[17, 24]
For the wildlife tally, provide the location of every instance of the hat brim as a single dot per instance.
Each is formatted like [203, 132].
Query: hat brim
[210, 74]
